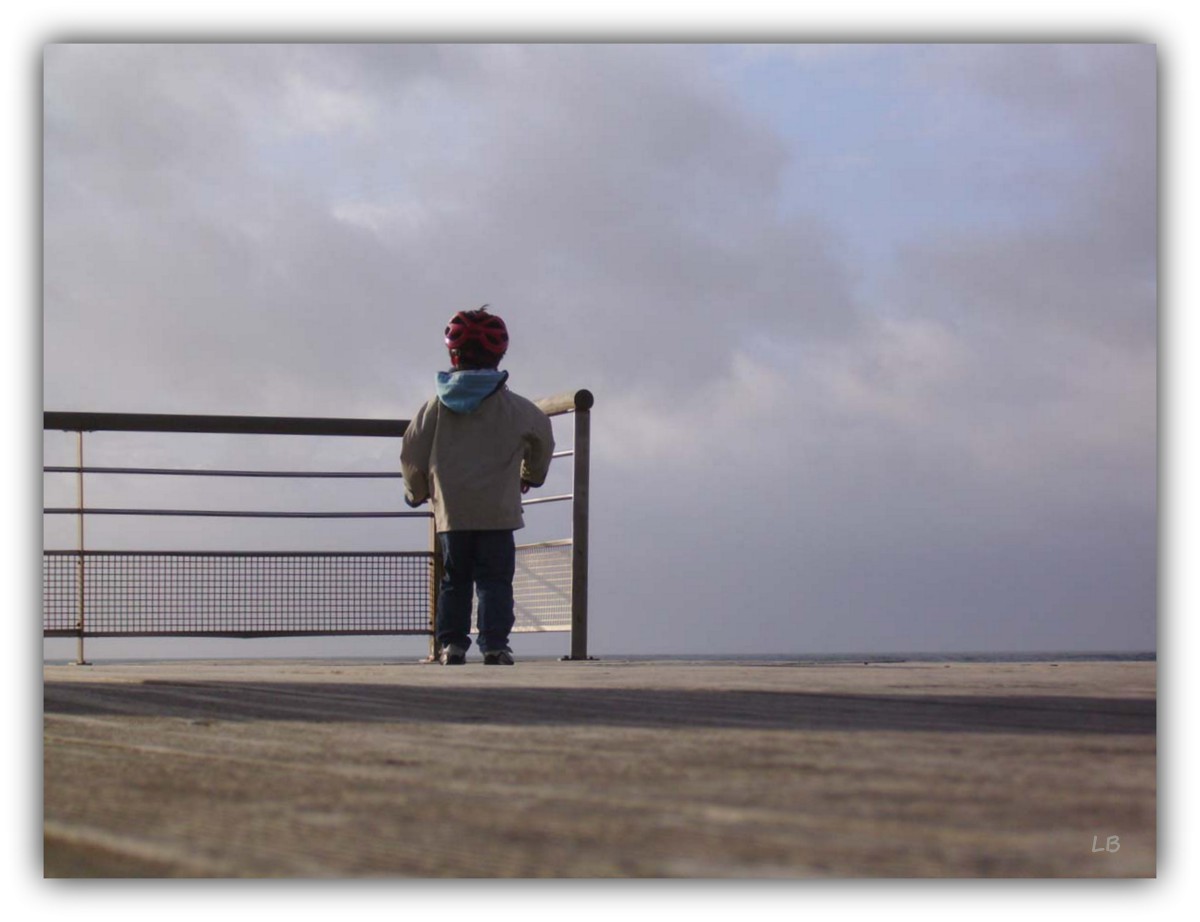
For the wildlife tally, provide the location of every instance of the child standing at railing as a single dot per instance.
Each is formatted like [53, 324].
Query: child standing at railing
[473, 449]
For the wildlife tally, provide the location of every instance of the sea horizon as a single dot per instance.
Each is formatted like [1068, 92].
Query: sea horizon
[749, 658]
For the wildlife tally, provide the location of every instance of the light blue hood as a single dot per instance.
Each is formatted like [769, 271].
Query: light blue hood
[463, 391]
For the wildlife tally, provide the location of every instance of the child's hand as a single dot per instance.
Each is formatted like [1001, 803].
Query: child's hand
[525, 485]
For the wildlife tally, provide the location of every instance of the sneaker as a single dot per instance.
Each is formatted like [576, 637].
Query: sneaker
[452, 655]
[498, 658]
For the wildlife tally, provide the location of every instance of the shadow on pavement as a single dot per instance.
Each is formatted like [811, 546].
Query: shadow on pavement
[649, 708]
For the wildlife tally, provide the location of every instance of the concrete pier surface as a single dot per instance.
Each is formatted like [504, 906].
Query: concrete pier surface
[609, 768]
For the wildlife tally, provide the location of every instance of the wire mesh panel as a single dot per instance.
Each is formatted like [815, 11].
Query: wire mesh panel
[237, 594]
[542, 587]
[60, 593]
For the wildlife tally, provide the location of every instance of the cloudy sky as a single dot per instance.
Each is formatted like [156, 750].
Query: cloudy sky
[871, 328]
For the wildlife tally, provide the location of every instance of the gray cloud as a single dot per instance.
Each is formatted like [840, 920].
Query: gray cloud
[644, 231]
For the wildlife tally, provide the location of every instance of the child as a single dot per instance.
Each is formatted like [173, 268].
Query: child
[474, 449]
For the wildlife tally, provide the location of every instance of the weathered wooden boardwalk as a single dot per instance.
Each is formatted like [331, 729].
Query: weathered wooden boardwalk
[600, 769]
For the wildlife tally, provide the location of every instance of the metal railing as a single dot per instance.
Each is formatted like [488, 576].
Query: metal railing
[103, 593]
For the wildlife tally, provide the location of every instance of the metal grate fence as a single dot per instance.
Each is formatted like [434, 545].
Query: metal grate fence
[236, 594]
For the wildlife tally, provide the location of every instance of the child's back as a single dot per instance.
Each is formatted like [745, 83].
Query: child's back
[473, 449]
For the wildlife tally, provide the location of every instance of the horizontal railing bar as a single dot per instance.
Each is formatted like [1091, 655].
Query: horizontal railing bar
[225, 513]
[563, 454]
[568, 402]
[240, 425]
[316, 632]
[199, 472]
[87, 553]
[547, 499]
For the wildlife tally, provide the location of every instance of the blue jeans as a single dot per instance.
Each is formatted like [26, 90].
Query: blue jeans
[482, 561]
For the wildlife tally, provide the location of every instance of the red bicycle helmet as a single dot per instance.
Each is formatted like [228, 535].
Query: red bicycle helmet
[479, 336]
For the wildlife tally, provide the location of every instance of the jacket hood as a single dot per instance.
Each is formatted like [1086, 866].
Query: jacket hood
[463, 391]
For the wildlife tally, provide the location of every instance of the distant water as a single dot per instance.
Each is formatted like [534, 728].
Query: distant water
[1051, 657]
[749, 658]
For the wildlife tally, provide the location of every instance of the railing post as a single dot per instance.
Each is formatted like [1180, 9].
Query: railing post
[579, 535]
[435, 580]
[80, 567]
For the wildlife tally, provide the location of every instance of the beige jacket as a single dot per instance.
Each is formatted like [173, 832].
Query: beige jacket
[471, 464]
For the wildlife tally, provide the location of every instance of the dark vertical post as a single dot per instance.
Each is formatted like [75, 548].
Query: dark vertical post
[579, 535]
[80, 567]
[435, 580]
